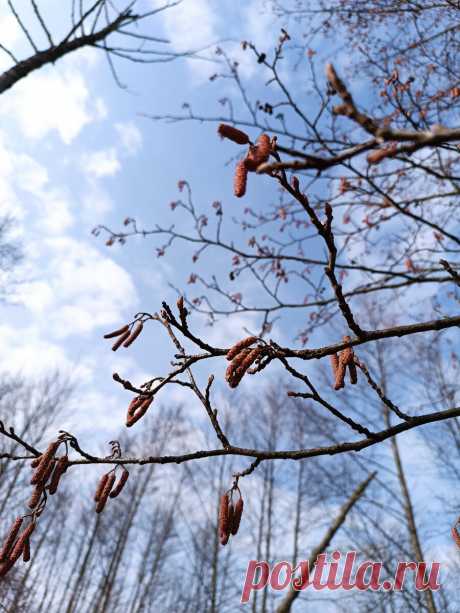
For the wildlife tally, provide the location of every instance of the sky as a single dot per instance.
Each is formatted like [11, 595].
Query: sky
[76, 151]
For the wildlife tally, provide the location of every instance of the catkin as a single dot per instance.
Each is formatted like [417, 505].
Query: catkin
[10, 538]
[121, 340]
[19, 546]
[36, 461]
[353, 373]
[118, 332]
[100, 487]
[237, 347]
[43, 466]
[59, 470]
[334, 364]
[140, 412]
[134, 404]
[121, 483]
[263, 148]
[258, 154]
[223, 518]
[238, 512]
[235, 364]
[240, 180]
[233, 134]
[26, 551]
[35, 498]
[105, 493]
[134, 334]
[340, 375]
[248, 360]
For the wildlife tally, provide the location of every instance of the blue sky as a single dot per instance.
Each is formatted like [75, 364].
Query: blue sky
[75, 151]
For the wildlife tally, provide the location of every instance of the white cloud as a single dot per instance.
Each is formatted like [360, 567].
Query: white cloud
[103, 163]
[53, 99]
[191, 26]
[80, 290]
[130, 137]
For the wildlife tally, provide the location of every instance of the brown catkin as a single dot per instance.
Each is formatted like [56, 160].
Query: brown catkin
[238, 512]
[5, 567]
[134, 334]
[118, 332]
[36, 461]
[121, 340]
[224, 530]
[100, 486]
[248, 360]
[140, 412]
[19, 546]
[26, 551]
[263, 148]
[240, 180]
[233, 134]
[121, 483]
[231, 512]
[10, 538]
[35, 498]
[134, 404]
[45, 462]
[353, 373]
[237, 347]
[235, 364]
[340, 376]
[346, 356]
[334, 363]
[59, 470]
[105, 493]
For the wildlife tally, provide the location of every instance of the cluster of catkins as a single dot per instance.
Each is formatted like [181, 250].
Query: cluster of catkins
[346, 358]
[257, 154]
[229, 515]
[137, 408]
[46, 477]
[126, 335]
[106, 489]
[241, 357]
